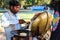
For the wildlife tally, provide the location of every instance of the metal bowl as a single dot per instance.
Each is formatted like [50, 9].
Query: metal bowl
[41, 24]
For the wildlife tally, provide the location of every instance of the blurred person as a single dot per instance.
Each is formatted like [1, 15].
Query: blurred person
[55, 27]
[10, 19]
[55, 34]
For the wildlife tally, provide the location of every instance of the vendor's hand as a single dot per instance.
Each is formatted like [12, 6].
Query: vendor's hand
[28, 22]
[21, 21]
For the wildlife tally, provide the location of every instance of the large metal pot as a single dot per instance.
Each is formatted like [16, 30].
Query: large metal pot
[41, 24]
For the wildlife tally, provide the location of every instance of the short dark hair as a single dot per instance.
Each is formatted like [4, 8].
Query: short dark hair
[14, 3]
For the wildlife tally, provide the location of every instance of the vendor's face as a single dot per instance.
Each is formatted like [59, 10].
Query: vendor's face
[15, 9]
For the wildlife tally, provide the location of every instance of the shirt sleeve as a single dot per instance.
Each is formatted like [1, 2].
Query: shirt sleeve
[5, 22]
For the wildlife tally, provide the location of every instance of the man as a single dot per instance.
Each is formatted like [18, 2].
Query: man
[10, 19]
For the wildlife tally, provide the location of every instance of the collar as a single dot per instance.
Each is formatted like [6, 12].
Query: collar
[12, 13]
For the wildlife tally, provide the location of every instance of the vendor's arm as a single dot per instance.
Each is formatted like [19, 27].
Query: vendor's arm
[21, 21]
[6, 22]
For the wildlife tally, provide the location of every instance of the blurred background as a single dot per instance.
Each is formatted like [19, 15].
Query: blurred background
[25, 12]
[24, 3]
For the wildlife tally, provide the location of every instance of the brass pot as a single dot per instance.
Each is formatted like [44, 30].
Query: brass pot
[41, 24]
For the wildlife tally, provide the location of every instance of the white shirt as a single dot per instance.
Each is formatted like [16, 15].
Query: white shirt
[9, 19]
